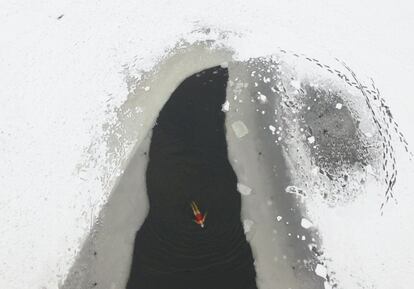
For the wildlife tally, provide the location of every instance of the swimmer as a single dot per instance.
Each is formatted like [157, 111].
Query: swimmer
[198, 216]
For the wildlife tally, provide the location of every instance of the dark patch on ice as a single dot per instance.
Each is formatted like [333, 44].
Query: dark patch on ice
[188, 162]
[337, 138]
[339, 143]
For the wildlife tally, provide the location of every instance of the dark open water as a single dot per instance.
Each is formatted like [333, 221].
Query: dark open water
[188, 162]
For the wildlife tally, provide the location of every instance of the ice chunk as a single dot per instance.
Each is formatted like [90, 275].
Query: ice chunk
[226, 106]
[262, 98]
[320, 270]
[147, 88]
[338, 105]
[243, 189]
[272, 129]
[295, 191]
[239, 128]
[247, 225]
[279, 218]
[311, 139]
[305, 223]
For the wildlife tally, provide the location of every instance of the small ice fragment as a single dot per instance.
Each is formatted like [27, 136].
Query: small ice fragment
[305, 223]
[239, 128]
[247, 225]
[295, 191]
[303, 237]
[320, 270]
[338, 105]
[226, 106]
[147, 88]
[272, 129]
[243, 189]
[295, 84]
[262, 98]
[311, 139]
[279, 218]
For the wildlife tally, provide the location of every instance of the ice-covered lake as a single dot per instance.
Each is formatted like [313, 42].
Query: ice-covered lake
[317, 125]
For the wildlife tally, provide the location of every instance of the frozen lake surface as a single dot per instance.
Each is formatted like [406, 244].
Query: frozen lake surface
[324, 184]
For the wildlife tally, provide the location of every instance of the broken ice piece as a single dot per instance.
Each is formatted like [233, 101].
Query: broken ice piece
[243, 189]
[279, 218]
[305, 223]
[247, 225]
[338, 106]
[226, 106]
[320, 270]
[272, 129]
[239, 128]
[295, 191]
[262, 98]
[147, 88]
[311, 139]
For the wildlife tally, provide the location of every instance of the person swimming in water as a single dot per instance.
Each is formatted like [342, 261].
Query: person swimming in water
[199, 218]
